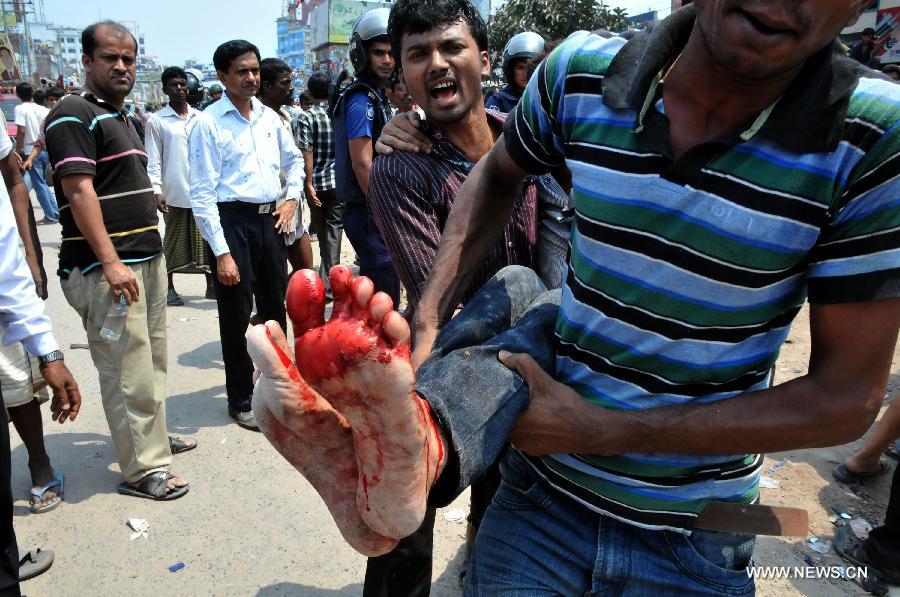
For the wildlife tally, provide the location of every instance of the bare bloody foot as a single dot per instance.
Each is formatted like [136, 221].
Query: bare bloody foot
[310, 434]
[360, 363]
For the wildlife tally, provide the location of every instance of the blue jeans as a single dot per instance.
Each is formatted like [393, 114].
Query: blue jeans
[34, 179]
[534, 540]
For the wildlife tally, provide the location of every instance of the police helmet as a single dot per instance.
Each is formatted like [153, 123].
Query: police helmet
[523, 45]
[369, 25]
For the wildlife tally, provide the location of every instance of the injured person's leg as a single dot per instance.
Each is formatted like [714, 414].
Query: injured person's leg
[359, 363]
[310, 434]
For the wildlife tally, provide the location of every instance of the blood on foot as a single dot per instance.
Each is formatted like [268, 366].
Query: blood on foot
[359, 362]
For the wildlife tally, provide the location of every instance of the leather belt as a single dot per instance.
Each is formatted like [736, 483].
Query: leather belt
[256, 208]
[753, 519]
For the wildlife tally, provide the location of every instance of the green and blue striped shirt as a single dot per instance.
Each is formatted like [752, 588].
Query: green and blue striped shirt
[685, 275]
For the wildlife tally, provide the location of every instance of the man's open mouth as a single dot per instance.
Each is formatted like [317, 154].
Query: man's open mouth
[443, 90]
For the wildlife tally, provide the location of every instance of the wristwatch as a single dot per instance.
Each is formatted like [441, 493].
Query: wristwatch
[45, 359]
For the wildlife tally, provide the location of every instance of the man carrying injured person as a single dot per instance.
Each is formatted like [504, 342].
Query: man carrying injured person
[727, 166]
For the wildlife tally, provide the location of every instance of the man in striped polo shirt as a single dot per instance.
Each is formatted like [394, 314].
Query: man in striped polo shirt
[111, 251]
[727, 166]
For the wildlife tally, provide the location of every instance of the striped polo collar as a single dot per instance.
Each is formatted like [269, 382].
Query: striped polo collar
[808, 118]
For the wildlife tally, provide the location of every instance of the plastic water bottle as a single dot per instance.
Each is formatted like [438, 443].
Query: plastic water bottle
[115, 321]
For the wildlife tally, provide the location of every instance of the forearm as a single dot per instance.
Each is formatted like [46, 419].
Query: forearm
[24, 215]
[802, 413]
[361, 170]
[481, 210]
[89, 219]
[20, 140]
[308, 166]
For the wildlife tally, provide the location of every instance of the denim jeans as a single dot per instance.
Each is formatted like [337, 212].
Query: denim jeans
[35, 180]
[534, 540]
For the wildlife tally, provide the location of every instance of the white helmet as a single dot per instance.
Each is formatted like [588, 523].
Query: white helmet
[527, 44]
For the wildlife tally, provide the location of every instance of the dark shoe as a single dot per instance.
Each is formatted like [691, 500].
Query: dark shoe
[178, 445]
[893, 450]
[153, 487]
[210, 293]
[851, 549]
[34, 563]
[173, 299]
[47, 222]
[247, 419]
[845, 475]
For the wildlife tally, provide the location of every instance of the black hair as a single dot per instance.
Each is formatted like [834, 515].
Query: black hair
[419, 16]
[272, 68]
[55, 92]
[40, 96]
[868, 31]
[89, 36]
[25, 91]
[319, 85]
[306, 98]
[173, 72]
[394, 80]
[227, 52]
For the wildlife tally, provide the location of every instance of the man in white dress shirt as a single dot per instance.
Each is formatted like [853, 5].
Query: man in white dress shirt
[238, 148]
[166, 141]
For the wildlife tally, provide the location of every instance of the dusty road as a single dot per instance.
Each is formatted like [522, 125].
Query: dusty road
[251, 525]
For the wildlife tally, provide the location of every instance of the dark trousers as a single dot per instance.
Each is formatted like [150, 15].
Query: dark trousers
[883, 545]
[406, 570]
[327, 221]
[374, 259]
[259, 252]
[9, 551]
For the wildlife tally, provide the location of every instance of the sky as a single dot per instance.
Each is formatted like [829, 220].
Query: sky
[177, 30]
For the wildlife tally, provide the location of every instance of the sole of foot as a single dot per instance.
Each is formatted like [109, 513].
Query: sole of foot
[310, 434]
[359, 361]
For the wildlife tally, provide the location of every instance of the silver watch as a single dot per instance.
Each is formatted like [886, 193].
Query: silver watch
[55, 355]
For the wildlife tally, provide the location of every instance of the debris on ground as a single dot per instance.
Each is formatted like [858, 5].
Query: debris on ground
[140, 526]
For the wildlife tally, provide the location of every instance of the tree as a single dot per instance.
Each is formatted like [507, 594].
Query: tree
[552, 19]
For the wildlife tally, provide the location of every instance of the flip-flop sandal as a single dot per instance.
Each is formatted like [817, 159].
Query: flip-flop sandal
[153, 487]
[178, 445]
[39, 492]
[173, 299]
[851, 549]
[845, 475]
[893, 450]
[34, 563]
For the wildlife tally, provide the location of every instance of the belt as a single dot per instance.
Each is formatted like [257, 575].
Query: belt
[255, 208]
[753, 519]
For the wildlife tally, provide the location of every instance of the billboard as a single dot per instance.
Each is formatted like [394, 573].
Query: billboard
[342, 14]
[8, 60]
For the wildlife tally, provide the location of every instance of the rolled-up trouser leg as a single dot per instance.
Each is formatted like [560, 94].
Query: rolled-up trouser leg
[474, 397]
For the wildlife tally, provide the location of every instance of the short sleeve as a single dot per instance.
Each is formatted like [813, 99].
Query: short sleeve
[532, 133]
[360, 116]
[304, 131]
[5, 141]
[71, 144]
[857, 257]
